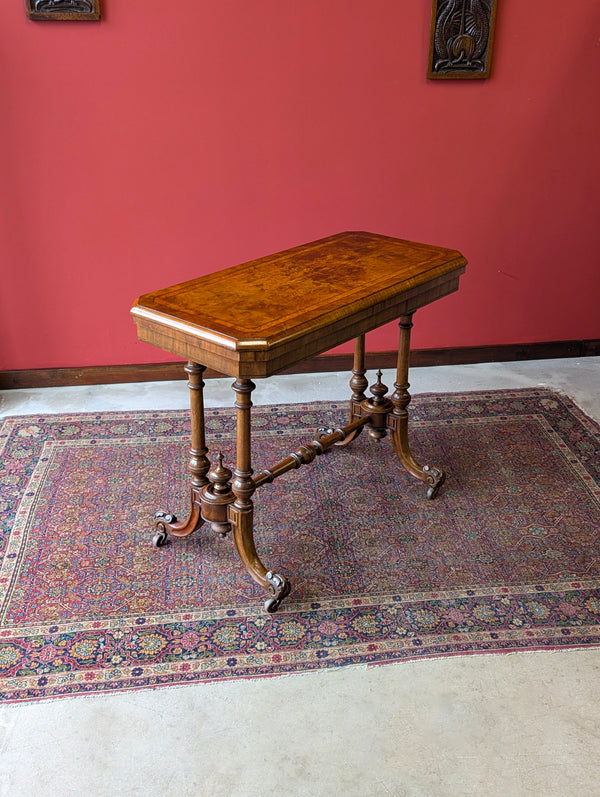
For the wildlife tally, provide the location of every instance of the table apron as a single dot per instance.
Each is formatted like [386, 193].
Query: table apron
[263, 362]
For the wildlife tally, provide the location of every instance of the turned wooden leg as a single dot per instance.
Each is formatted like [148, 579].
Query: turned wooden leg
[359, 381]
[358, 385]
[241, 512]
[398, 418]
[166, 523]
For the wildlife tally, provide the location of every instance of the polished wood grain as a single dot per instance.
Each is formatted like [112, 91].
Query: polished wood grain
[261, 317]
[256, 319]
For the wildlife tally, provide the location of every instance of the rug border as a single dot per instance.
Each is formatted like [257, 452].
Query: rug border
[591, 637]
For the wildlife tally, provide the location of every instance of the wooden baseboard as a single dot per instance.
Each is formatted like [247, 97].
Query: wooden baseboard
[160, 372]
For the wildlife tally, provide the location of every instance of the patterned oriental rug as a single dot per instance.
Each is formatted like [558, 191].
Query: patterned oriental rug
[506, 558]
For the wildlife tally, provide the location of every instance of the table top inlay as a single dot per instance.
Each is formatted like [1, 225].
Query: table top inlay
[287, 306]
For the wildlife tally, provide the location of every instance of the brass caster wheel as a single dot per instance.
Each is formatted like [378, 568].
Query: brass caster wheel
[280, 587]
[160, 539]
[436, 478]
[161, 520]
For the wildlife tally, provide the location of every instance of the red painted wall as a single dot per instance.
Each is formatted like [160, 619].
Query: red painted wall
[174, 139]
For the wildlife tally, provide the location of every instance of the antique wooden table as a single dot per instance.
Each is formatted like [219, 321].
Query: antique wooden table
[261, 317]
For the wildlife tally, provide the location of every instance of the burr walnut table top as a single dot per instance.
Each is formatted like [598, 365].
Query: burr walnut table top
[258, 318]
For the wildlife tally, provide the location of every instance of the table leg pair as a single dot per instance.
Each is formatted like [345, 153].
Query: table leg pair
[226, 503]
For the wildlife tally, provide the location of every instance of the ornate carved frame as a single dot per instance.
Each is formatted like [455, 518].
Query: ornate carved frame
[61, 10]
[462, 34]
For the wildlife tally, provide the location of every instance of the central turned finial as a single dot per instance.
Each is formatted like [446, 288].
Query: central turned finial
[378, 390]
[216, 497]
[378, 407]
[219, 476]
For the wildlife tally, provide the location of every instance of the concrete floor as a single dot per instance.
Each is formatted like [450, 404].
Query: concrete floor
[517, 724]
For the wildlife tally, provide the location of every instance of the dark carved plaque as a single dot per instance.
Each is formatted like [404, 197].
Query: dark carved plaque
[462, 33]
[63, 9]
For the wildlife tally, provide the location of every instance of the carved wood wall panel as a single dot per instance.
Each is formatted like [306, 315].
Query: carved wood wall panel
[462, 34]
[63, 9]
